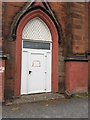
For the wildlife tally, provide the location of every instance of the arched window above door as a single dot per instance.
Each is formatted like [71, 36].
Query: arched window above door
[36, 29]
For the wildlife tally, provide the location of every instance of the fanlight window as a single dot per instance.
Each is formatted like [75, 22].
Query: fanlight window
[36, 30]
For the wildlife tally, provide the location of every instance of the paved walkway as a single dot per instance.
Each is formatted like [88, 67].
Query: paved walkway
[59, 108]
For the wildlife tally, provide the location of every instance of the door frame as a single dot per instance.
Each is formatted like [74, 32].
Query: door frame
[18, 54]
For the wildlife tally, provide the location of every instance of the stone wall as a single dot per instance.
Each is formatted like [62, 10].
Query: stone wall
[72, 17]
[89, 45]
[10, 10]
[79, 28]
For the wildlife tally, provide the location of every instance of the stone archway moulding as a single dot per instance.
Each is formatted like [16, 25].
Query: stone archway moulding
[18, 55]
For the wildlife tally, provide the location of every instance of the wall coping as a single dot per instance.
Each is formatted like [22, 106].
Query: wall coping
[76, 58]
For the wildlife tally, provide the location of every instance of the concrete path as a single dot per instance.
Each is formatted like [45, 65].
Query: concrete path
[34, 98]
[59, 108]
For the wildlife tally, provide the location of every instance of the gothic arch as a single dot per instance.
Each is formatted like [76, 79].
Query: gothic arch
[54, 33]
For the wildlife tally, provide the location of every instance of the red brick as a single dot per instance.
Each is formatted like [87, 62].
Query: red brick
[76, 82]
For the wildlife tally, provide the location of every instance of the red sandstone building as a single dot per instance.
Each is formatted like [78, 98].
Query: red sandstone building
[44, 48]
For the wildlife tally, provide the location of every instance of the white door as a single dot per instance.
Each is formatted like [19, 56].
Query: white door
[36, 71]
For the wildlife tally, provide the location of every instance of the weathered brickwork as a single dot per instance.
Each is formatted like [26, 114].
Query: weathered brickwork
[89, 45]
[61, 15]
[89, 27]
[0, 25]
[1, 75]
[60, 12]
[72, 17]
[10, 11]
[10, 69]
[79, 27]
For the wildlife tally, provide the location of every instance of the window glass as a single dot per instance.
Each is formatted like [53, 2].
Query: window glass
[36, 45]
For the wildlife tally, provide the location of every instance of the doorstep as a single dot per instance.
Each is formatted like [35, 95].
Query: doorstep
[34, 98]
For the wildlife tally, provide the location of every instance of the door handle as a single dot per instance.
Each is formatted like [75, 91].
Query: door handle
[30, 72]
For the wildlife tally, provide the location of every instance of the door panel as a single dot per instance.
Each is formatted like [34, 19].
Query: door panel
[37, 77]
[36, 71]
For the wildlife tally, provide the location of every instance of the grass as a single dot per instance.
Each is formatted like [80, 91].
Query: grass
[81, 95]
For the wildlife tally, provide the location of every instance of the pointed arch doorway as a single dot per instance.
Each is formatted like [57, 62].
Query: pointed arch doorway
[49, 43]
[36, 57]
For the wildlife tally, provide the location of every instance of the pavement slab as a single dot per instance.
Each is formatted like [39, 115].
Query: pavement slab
[56, 108]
